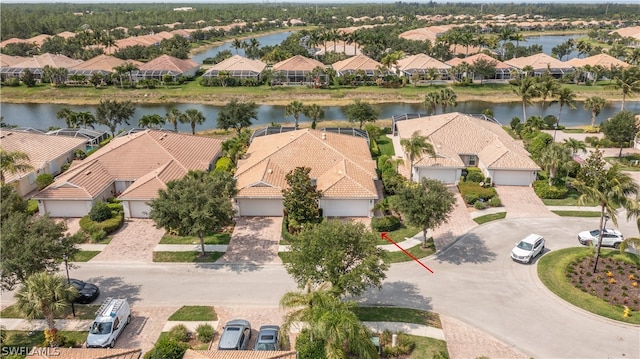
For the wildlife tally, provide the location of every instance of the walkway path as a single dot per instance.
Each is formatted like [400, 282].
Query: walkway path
[459, 223]
[134, 242]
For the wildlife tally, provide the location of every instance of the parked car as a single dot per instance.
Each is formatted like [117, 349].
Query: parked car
[235, 335]
[87, 292]
[268, 338]
[528, 248]
[610, 237]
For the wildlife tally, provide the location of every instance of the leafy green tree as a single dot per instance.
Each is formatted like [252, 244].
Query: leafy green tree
[315, 112]
[294, 108]
[112, 113]
[28, 78]
[12, 163]
[237, 115]
[414, 147]
[620, 128]
[235, 147]
[607, 187]
[193, 117]
[484, 68]
[595, 104]
[301, 197]
[344, 254]
[10, 202]
[427, 204]
[552, 157]
[195, 204]
[360, 111]
[167, 348]
[30, 245]
[44, 294]
[447, 98]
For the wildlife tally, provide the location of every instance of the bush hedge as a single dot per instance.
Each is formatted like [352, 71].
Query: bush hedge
[44, 180]
[205, 333]
[472, 192]
[385, 224]
[99, 229]
[546, 191]
[100, 212]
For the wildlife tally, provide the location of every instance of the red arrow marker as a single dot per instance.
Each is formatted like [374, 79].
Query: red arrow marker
[384, 236]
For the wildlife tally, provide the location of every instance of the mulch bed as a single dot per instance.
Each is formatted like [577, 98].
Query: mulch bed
[613, 282]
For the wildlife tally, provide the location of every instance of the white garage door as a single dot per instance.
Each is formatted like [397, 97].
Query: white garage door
[66, 208]
[443, 174]
[260, 207]
[345, 208]
[139, 209]
[512, 178]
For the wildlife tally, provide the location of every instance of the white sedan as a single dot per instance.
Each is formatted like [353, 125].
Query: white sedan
[610, 237]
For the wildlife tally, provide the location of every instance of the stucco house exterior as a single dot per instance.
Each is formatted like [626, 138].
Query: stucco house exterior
[47, 154]
[462, 141]
[341, 165]
[133, 168]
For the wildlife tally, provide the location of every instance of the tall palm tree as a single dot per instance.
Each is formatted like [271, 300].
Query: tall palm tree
[548, 87]
[610, 187]
[315, 112]
[414, 147]
[237, 44]
[44, 294]
[595, 104]
[447, 98]
[628, 80]
[69, 116]
[151, 121]
[431, 100]
[12, 163]
[526, 89]
[294, 108]
[575, 145]
[193, 117]
[300, 305]
[552, 157]
[86, 118]
[173, 117]
[564, 97]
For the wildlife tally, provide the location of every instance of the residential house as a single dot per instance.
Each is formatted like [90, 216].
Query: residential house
[237, 67]
[166, 65]
[430, 33]
[47, 154]
[421, 64]
[132, 168]
[632, 32]
[540, 64]
[603, 61]
[102, 64]
[502, 72]
[341, 166]
[239, 354]
[462, 141]
[36, 65]
[357, 64]
[295, 70]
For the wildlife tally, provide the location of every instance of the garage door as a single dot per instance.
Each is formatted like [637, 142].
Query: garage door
[444, 175]
[512, 178]
[139, 209]
[66, 208]
[345, 208]
[260, 207]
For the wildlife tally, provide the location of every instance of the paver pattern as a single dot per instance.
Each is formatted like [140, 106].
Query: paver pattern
[254, 240]
[145, 327]
[522, 202]
[459, 223]
[134, 242]
[257, 316]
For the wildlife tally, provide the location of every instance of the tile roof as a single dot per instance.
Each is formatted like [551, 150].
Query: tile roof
[41, 148]
[341, 164]
[355, 63]
[420, 61]
[13, 40]
[472, 60]
[38, 39]
[539, 61]
[605, 60]
[633, 31]
[454, 134]
[297, 63]
[239, 63]
[166, 62]
[40, 61]
[149, 158]
[105, 63]
[66, 34]
[239, 354]
[426, 33]
[11, 61]
[86, 353]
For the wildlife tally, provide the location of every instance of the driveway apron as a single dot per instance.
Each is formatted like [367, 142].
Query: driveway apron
[459, 223]
[134, 242]
[254, 240]
[522, 202]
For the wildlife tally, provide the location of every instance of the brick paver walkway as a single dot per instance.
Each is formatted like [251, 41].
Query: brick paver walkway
[522, 202]
[459, 223]
[134, 242]
[145, 327]
[256, 316]
[254, 240]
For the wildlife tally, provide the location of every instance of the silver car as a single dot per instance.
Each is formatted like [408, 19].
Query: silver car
[610, 237]
[268, 338]
[235, 335]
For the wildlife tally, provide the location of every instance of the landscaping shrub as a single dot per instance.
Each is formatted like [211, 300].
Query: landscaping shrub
[97, 235]
[405, 345]
[495, 202]
[479, 205]
[373, 147]
[224, 164]
[109, 226]
[544, 190]
[472, 192]
[205, 333]
[538, 143]
[591, 129]
[180, 333]
[167, 348]
[471, 198]
[308, 349]
[385, 224]
[474, 174]
[32, 206]
[100, 212]
[44, 180]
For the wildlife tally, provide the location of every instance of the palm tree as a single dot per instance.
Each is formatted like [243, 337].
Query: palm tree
[193, 117]
[431, 100]
[69, 116]
[526, 89]
[414, 147]
[151, 121]
[86, 118]
[595, 104]
[173, 117]
[552, 157]
[314, 112]
[44, 294]
[628, 80]
[609, 187]
[547, 87]
[13, 163]
[294, 108]
[237, 44]
[447, 97]
[565, 97]
[575, 145]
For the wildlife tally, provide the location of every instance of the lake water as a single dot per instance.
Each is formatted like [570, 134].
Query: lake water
[43, 116]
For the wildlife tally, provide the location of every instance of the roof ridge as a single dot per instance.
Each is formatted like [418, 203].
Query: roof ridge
[168, 133]
[276, 149]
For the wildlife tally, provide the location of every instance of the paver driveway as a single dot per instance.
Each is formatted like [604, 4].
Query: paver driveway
[521, 201]
[254, 241]
[134, 242]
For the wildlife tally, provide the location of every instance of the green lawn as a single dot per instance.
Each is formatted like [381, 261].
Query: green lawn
[416, 251]
[186, 257]
[386, 146]
[573, 130]
[83, 311]
[571, 200]
[213, 238]
[397, 314]
[627, 163]
[84, 256]
[194, 313]
[428, 348]
[490, 217]
[552, 272]
[400, 234]
[577, 213]
[16, 338]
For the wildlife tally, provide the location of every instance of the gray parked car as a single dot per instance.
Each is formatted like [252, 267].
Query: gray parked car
[235, 335]
[268, 338]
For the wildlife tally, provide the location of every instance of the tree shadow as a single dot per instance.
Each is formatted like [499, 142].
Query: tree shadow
[115, 287]
[396, 294]
[467, 249]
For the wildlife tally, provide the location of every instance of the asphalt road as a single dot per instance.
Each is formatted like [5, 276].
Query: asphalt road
[475, 281]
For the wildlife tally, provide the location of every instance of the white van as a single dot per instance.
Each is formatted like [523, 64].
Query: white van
[111, 318]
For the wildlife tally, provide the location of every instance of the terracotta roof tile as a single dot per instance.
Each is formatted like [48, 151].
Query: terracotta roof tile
[539, 62]
[297, 63]
[420, 62]
[605, 60]
[166, 62]
[11, 61]
[352, 64]
[105, 63]
[239, 354]
[472, 60]
[86, 353]
[239, 63]
[40, 61]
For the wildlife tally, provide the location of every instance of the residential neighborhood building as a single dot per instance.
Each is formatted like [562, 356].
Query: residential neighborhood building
[36, 65]
[166, 65]
[502, 72]
[85, 353]
[540, 64]
[102, 64]
[341, 166]
[356, 64]
[420, 64]
[238, 67]
[295, 70]
[132, 168]
[461, 141]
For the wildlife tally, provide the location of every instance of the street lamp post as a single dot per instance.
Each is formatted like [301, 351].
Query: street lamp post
[66, 266]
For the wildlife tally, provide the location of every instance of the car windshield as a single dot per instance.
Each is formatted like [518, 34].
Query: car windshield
[595, 232]
[526, 246]
[101, 328]
[265, 346]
